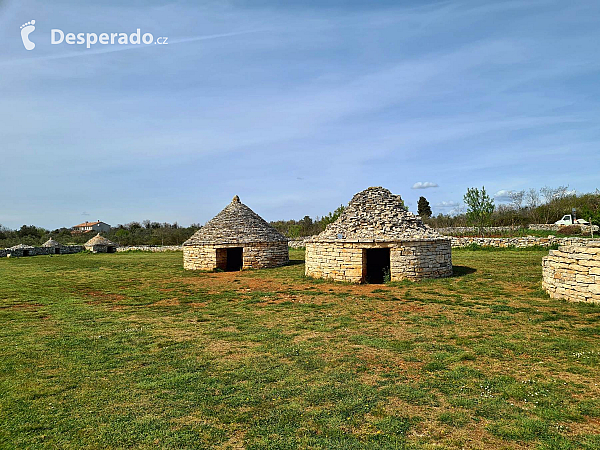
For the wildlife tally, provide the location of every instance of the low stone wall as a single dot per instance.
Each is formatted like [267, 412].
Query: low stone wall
[573, 272]
[585, 229]
[258, 255]
[37, 251]
[518, 242]
[346, 261]
[462, 230]
[299, 242]
[150, 248]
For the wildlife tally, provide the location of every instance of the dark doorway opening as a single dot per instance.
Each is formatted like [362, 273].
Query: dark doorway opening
[235, 259]
[26, 253]
[111, 249]
[57, 251]
[377, 265]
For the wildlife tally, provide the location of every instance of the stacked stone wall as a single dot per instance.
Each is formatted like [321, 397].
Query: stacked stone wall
[37, 251]
[585, 229]
[259, 255]
[490, 230]
[518, 242]
[150, 248]
[346, 261]
[573, 273]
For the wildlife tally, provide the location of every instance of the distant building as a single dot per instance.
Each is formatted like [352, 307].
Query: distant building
[88, 227]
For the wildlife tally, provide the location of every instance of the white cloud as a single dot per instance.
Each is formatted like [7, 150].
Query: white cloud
[503, 195]
[424, 185]
[449, 204]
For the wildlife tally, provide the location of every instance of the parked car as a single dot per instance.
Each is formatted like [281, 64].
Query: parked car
[568, 220]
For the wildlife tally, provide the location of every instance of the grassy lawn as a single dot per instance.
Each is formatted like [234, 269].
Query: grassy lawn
[130, 350]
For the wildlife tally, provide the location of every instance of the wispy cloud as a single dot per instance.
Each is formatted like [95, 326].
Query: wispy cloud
[503, 195]
[424, 185]
[446, 204]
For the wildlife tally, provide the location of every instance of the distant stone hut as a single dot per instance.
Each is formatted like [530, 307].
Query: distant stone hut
[21, 250]
[374, 240]
[99, 244]
[53, 247]
[236, 238]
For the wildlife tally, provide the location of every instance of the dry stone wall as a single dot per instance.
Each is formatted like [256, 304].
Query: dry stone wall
[585, 229]
[24, 250]
[257, 255]
[518, 242]
[461, 230]
[573, 272]
[150, 248]
[345, 261]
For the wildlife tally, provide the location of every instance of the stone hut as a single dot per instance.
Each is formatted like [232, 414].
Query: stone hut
[21, 250]
[573, 272]
[99, 244]
[236, 238]
[374, 240]
[54, 248]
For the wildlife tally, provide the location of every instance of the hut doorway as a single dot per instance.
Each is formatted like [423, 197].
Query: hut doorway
[377, 265]
[26, 253]
[235, 259]
[57, 251]
[230, 259]
[111, 249]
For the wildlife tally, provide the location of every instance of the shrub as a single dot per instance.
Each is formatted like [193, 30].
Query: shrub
[569, 230]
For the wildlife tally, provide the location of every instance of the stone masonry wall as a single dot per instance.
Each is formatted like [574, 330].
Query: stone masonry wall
[585, 229]
[258, 255]
[37, 251]
[573, 273]
[344, 261]
[150, 248]
[518, 242]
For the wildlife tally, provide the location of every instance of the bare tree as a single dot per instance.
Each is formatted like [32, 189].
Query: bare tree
[516, 199]
[532, 198]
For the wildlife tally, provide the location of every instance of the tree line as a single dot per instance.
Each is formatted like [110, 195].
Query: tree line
[544, 205]
[133, 233]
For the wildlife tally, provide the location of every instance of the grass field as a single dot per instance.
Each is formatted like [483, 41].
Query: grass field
[130, 350]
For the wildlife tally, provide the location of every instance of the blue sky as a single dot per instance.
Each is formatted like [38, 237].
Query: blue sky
[292, 107]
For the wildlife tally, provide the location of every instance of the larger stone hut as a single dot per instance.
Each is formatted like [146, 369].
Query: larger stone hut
[236, 238]
[375, 240]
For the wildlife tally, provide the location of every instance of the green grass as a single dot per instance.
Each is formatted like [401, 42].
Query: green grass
[130, 350]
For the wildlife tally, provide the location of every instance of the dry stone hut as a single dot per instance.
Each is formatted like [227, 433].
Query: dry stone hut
[573, 272]
[99, 244]
[21, 250]
[236, 238]
[53, 247]
[375, 239]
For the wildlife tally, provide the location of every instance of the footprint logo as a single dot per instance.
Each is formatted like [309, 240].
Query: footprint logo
[26, 30]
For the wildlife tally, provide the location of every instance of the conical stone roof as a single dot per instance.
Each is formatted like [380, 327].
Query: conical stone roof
[376, 215]
[21, 246]
[100, 240]
[51, 243]
[236, 224]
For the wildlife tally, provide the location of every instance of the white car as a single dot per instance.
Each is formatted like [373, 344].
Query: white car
[568, 220]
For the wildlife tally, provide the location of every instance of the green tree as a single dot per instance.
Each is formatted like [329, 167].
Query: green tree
[424, 210]
[480, 207]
